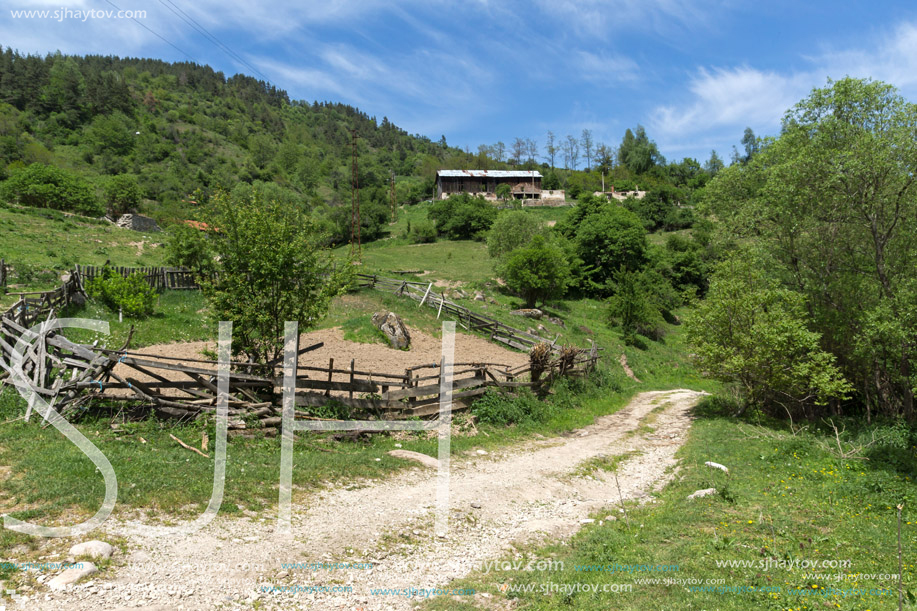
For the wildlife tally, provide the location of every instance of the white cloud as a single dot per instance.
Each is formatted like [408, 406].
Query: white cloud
[728, 99]
[894, 60]
[605, 69]
[604, 17]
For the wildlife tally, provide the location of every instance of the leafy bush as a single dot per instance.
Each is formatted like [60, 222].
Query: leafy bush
[512, 230]
[45, 186]
[188, 247]
[463, 217]
[500, 409]
[273, 269]
[606, 240]
[537, 272]
[422, 232]
[633, 309]
[753, 333]
[132, 295]
[122, 194]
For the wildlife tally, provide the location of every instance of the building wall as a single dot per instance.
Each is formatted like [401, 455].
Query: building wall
[486, 186]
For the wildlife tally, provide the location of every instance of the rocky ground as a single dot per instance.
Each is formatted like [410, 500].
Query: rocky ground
[385, 530]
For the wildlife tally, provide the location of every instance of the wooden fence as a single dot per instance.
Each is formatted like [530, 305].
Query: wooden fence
[78, 375]
[159, 278]
[4, 273]
[35, 306]
[471, 321]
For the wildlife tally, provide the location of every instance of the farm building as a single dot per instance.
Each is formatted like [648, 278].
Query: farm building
[525, 184]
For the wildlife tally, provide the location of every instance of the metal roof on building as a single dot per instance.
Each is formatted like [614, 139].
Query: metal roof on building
[489, 173]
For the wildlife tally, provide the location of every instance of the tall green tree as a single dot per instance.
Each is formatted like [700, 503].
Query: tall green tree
[273, 268]
[537, 271]
[834, 199]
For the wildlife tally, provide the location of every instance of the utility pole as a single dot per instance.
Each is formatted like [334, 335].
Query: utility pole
[355, 245]
[393, 197]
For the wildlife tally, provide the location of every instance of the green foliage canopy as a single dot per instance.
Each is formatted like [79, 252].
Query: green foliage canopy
[45, 186]
[463, 217]
[537, 271]
[834, 199]
[273, 268]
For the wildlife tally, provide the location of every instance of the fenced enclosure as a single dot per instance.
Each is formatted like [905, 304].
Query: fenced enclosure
[79, 376]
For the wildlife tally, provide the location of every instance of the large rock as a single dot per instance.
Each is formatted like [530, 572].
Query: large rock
[426, 461]
[72, 575]
[394, 329]
[93, 549]
[138, 222]
[529, 313]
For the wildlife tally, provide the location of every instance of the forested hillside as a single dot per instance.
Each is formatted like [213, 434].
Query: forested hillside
[113, 134]
[175, 132]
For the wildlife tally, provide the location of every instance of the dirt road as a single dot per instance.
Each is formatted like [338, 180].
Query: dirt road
[535, 490]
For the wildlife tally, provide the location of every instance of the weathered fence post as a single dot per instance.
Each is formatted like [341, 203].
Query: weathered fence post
[330, 375]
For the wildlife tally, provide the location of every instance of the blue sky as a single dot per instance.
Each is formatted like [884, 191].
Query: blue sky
[694, 73]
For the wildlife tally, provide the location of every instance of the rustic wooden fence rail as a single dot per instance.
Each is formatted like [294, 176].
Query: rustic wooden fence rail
[160, 278]
[423, 293]
[4, 273]
[78, 375]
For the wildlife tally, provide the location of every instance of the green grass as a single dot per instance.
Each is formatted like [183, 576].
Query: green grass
[41, 244]
[464, 261]
[48, 239]
[788, 497]
[179, 316]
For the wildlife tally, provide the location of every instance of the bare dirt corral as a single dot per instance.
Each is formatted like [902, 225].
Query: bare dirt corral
[497, 499]
[377, 358]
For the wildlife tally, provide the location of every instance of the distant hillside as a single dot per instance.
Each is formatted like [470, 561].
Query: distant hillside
[181, 131]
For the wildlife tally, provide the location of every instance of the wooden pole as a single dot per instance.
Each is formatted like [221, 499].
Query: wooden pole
[330, 374]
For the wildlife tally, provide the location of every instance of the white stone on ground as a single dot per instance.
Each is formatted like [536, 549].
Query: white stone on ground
[427, 461]
[93, 549]
[72, 575]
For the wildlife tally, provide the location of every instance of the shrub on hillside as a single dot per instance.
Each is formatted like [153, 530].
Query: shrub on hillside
[45, 186]
[513, 230]
[463, 217]
[122, 194]
[188, 247]
[422, 232]
[536, 272]
[132, 295]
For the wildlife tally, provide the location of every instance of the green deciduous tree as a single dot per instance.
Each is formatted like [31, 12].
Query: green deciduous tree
[273, 268]
[537, 271]
[607, 240]
[122, 194]
[191, 248]
[504, 191]
[45, 186]
[638, 152]
[834, 199]
[633, 308]
[512, 230]
[463, 217]
[753, 332]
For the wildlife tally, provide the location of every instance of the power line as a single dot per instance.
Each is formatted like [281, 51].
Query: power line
[157, 35]
[188, 19]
